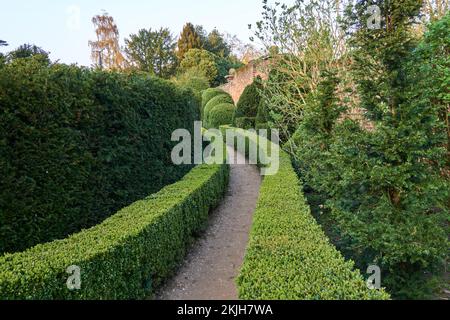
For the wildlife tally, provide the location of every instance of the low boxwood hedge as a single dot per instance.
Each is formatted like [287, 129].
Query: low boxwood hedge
[127, 255]
[289, 257]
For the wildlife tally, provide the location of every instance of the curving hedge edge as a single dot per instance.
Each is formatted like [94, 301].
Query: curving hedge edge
[288, 256]
[127, 255]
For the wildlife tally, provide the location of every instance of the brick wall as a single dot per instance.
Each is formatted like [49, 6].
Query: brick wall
[244, 76]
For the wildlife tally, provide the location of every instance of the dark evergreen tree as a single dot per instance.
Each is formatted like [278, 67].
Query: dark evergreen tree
[189, 39]
[390, 199]
[27, 51]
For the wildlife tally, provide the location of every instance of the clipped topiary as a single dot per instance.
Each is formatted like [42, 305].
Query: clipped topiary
[221, 115]
[249, 100]
[210, 93]
[220, 99]
[262, 117]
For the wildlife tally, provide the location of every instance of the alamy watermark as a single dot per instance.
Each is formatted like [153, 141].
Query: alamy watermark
[374, 21]
[374, 281]
[257, 146]
[74, 280]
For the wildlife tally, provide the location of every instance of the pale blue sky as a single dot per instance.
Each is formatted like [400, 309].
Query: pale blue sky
[53, 24]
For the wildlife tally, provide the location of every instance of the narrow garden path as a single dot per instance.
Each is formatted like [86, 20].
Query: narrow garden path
[212, 265]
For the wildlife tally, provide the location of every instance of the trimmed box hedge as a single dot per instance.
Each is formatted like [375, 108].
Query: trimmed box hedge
[127, 255]
[289, 257]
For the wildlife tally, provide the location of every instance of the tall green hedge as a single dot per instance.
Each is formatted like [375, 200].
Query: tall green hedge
[125, 257]
[288, 256]
[77, 145]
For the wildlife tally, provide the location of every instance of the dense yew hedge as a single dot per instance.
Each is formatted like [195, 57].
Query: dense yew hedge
[289, 256]
[77, 145]
[127, 255]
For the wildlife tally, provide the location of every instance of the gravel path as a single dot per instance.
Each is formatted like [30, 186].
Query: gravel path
[212, 265]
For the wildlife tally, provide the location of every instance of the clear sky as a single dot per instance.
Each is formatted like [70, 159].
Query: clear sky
[64, 27]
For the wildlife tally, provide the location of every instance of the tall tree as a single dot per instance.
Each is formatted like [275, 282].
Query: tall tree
[201, 61]
[390, 193]
[216, 44]
[189, 39]
[152, 51]
[27, 51]
[106, 51]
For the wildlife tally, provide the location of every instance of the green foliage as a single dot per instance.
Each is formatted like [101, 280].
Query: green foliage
[208, 94]
[216, 44]
[391, 193]
[125, 257]
[78, 145]
[381, 191]
[250, 100]
[382, 52]
[221, 114]
[189, 39]
[383, 188]
[223, 66]
[262, 116]
[202, 61]
[245, 123]
[430, 68]
[221, 98]
[27, 51]
[197, 83]
[152, 51]
[288, 256]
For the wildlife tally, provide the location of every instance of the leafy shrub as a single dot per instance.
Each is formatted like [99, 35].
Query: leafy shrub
[289, 256]
[125, 257]
[220, 99]
[193, 81]
[248, 103]
[78, 145]
[221, 114]
[245, 123]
